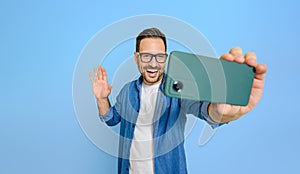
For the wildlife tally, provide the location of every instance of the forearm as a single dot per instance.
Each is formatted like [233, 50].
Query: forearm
[200, 110]
[103, 106]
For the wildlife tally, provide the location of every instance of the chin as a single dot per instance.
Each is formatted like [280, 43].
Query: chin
[153, 80]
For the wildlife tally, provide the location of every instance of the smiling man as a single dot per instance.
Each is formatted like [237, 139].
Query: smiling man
[152, 124]
[150, 58]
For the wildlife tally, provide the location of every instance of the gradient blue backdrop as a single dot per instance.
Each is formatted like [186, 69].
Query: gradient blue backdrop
[41, 42]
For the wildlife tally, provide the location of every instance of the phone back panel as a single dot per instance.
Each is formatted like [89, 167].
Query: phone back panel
[202, 78]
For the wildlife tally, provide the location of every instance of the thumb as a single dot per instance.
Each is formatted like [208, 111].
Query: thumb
[110, 87]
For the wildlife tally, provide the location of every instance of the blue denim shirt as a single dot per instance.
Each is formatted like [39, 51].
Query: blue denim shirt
[168, 127]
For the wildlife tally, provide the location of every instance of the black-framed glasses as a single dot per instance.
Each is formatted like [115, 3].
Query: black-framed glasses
[147, 57]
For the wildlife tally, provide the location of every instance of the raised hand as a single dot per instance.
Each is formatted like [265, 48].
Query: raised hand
[101, 89]
[225, 112]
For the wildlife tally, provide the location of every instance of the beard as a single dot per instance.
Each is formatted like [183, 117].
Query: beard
[152, 75]
[152, 80]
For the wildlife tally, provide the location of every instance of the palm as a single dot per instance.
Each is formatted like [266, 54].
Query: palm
[101, 89]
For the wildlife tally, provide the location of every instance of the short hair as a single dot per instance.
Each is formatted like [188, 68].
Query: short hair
[150, 33]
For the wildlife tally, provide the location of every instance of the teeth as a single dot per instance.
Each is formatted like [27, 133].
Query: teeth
[152, 70]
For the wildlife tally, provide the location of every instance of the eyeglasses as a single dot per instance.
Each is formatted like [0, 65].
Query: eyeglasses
[147, 57]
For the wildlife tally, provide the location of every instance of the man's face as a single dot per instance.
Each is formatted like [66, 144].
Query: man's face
[152, 71]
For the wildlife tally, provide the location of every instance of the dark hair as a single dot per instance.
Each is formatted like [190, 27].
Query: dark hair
[150, 33]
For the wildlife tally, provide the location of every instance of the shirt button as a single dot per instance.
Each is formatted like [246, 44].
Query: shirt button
[133, 126]
[127, 169]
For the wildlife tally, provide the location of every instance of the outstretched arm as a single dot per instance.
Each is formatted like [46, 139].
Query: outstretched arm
[222, 113]
[101, 89]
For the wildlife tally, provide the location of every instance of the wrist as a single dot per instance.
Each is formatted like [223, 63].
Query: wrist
[213, 114]
[102, 100]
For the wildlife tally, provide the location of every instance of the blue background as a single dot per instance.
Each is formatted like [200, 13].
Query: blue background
[40, 45]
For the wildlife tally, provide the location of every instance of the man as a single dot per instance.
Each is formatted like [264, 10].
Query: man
[152, 124]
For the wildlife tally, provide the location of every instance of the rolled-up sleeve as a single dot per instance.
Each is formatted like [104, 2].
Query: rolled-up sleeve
[112, 117]
[108, 116]
[200, 110]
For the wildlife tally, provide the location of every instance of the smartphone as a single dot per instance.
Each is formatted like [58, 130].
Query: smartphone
[196, 77]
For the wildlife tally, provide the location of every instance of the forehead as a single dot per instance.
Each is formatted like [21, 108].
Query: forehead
[152, 44]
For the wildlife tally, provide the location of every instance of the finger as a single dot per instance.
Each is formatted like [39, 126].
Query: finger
[250, 59]
[91, 78]
[261, 71]
[261, 68]
[104, 75]
[99, 73]
[228, 57]
[237, 53]
[96, 73]
[110, 87]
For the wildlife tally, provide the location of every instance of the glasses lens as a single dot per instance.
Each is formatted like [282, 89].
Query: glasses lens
[146, 57]
[161, 58]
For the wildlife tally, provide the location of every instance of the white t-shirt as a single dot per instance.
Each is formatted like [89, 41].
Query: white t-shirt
[141, 151]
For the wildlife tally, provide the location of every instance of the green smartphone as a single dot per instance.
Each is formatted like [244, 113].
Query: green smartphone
[196, 77]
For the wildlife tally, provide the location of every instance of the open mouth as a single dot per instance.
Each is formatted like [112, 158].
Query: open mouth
[152, 72]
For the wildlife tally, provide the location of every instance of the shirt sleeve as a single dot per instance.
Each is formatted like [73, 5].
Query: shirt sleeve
[106, 117]
[111, 118]
[200, 110]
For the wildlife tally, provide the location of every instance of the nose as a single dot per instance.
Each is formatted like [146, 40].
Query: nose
[153, 62]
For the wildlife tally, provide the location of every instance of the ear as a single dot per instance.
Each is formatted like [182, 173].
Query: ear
[135, 55]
